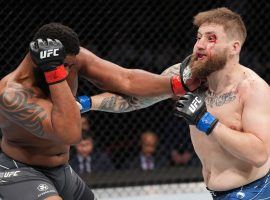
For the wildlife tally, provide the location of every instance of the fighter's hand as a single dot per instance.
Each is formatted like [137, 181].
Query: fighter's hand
[49, 56]
[184, 82]
[193, 109]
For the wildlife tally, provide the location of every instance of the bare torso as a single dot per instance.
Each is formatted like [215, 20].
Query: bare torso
[221, 170]
[23, 146]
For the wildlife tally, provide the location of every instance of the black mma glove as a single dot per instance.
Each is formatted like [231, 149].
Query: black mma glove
[184, 82]
[193, 109]
[49, 56]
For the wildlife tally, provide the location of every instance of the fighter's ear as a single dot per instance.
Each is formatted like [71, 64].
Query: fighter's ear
[236, 47]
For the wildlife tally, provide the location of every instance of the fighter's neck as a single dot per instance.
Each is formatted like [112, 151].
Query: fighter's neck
[225, 79]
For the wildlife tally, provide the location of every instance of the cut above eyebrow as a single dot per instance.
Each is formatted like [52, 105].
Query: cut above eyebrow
[207, 33]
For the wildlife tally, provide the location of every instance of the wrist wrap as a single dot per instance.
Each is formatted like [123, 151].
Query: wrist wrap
[177, 86]
[207, 123]
[57, 75]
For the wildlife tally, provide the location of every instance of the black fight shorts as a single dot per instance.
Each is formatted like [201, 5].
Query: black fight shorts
[24, 182]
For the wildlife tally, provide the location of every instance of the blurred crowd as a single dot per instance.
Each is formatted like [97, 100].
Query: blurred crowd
[148, 152]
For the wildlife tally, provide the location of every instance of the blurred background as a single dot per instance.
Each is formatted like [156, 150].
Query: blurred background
[149, 147]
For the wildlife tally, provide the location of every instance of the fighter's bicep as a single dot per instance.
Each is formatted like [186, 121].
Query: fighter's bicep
[20, 106]
[99, 71]
[256, 112]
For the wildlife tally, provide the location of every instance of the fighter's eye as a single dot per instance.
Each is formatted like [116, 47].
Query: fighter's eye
[65, 64]
[212, 38]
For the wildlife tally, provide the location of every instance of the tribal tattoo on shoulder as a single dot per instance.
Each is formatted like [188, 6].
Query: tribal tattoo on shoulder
[15, 106]
[213, 100]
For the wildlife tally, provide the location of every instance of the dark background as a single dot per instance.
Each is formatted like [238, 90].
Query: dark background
[150, 35]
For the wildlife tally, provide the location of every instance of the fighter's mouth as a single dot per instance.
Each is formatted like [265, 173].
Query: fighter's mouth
[201, 56]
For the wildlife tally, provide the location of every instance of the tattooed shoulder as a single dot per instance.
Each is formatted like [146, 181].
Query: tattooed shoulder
[15, 105]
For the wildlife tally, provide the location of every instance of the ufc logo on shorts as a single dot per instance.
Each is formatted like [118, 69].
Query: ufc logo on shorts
[193, 106]
[9, 174]
[49, 53]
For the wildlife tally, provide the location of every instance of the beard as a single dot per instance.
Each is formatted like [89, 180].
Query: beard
[40, 81]
[203, 69]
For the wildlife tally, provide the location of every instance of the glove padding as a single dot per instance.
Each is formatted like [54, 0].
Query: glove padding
[193, 109]
[49, 56]
[185, 72]
[184, 82]
[189, 83]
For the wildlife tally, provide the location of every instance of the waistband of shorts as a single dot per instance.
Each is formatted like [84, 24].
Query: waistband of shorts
[221, 193]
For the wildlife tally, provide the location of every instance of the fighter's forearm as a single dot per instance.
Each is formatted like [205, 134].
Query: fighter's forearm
[109, 102]
[146, 84]
[114, 78]
[61, 119]
[117, 103]
[234, 142]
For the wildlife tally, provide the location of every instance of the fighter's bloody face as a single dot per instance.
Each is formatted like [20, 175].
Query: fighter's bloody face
[210, 51]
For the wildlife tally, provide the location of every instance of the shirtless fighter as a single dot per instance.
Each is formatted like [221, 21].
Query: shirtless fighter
[40, 118]
[229, 121]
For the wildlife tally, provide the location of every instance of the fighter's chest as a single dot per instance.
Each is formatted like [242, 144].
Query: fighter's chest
[228, 109]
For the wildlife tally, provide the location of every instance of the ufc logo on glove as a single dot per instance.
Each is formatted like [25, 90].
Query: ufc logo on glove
[48, 53]
[193, 106]
[193, 109]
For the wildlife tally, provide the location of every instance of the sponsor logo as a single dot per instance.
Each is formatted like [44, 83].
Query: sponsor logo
[194, 105]
[240, 195]
[46, 192]
[48, 53]
[42, 187]
[9, 174]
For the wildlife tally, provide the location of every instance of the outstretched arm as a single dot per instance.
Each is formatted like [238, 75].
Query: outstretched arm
[114, 78]
[118, 103]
